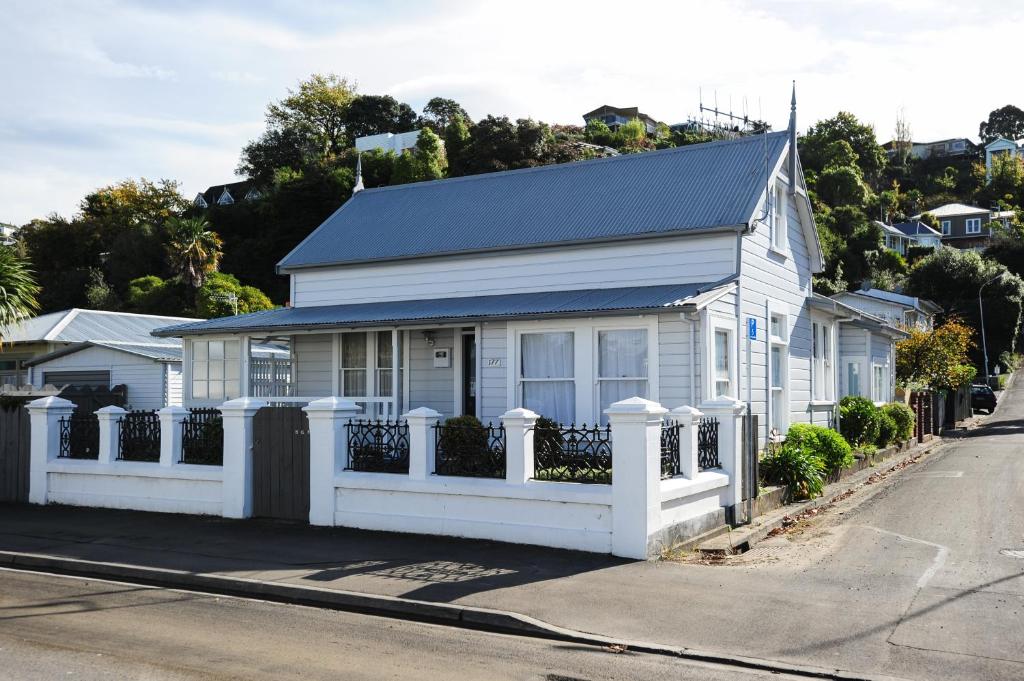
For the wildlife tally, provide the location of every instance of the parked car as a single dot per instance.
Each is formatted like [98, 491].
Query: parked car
[982, 397]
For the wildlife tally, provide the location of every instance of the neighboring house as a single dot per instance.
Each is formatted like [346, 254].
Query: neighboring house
[896, 309]
[865, 351]
[36, 350]
[919, 234]
[7, 232]
[962, 226]
[556, 289]
[895, 240]
[1004, 216]
[387, 141]
[227, 194]
[1001, 146]
[955, 146]
[614, 117]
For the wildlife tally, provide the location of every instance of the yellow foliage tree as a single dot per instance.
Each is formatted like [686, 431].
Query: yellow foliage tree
[938, 358]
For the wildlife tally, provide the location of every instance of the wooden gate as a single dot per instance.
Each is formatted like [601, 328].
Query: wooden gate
[280, 462]
[14, 450]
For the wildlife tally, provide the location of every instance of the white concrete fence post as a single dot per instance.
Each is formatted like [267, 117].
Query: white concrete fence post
[421, 441]
[44, 429]
[519, 425]
[110, 432]
[689, 420]
[237, 469]
[171, 419]
[328, 452]
[636, 475]
[729, 413]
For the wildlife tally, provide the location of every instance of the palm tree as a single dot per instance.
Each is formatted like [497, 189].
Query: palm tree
[18, 289]
[193, 250]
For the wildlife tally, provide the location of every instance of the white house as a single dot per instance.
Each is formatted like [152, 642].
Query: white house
[896, 309]
[561, 289]
[388, 141]
[1001, 146]
[901, 236]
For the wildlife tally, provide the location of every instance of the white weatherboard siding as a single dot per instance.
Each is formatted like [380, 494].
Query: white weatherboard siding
[645, 262]
[493, 350]
[313, 360]
[674, 337]
[144, 377]
[890, 312]
[173, 385]
[430, 386]
[785, 281]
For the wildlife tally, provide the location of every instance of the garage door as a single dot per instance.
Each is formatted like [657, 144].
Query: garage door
[92, 379]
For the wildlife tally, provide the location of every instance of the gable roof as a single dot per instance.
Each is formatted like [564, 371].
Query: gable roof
[78, 326]
[673, 191]
[168, 351]
[920, 304]
[952, 210]
[915, 228]
[237, 190]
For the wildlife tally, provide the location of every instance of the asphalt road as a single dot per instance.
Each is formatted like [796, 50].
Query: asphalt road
[55, 627]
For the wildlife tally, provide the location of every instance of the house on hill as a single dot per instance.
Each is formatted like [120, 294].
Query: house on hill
[962, 226]
[1001, 146]
[227, 194]
[614, 117]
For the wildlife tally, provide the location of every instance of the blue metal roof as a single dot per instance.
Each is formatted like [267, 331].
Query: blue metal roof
[690, 188]
[502, 306]
[78, 326]
[915, 228]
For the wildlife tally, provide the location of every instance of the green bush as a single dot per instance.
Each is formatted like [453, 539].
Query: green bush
[825, 443]
[858, 420]
[887, 430]
[904, 418]
[464, 435]
[796, 467]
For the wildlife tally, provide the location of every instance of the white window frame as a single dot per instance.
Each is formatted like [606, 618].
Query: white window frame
[823, 375]
[585, 358]
[780, 341]
[972, 226]
[876, 364]
[187, 369]
[947, 227]
[711, 323]
[598, 379]
[845, 363]
[778, 219]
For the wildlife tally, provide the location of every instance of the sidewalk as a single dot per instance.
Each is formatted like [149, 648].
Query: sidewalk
[763, 611]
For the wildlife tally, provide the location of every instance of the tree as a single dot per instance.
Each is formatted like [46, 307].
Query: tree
[193, 250]
[222, 295]
[815, 145]
[937, 359]
[1007, 122]
[18, 289]
[1006, 183]
[902, 139]
[424, 162]
[457, 142]
[152, 295]
[598, 132]
[376, 114]
[842, 185]
[439, 113]
[275, 149]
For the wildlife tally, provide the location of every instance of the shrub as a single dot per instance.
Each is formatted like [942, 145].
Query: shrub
[825, 443]
[464, 435]
[887, 430]
[904, 418]
[546, 435]
[796, 467]
[858, 420]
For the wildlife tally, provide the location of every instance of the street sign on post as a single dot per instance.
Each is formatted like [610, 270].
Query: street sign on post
[752, 328]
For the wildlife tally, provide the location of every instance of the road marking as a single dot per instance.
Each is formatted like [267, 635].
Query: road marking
[939, 474]
[940, 554]
[1013, 553]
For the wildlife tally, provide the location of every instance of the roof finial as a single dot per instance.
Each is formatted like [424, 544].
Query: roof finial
[359, 175]
[792, 142]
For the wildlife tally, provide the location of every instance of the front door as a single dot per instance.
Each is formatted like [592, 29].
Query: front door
[280, 463]
[469, 374]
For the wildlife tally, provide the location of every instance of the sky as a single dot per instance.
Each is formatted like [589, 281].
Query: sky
[99, 91]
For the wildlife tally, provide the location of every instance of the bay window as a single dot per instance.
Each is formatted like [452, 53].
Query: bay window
[353, 364]
[215, 367]
[547, 374]
[821, 370]
[778, 368]
[880, 382]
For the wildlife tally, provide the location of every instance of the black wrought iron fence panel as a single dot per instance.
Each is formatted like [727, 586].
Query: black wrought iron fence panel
[472, 451]
[571, 454]
[670, 449]
[139, 436]
[707, 443]
[378, 446]
[202, 437]
[79, 437]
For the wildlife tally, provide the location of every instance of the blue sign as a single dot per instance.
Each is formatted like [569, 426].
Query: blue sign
[752, 328]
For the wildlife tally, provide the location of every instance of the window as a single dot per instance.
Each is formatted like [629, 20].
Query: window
[822, 362]
[621, 366]
[974, 225]
[353, 364]
[880, 382]
[723, 375]
[385, 355]
[547, 374]
[778, 359]
[777, 216]
[853, 377]
[215, 370]
[947, 227]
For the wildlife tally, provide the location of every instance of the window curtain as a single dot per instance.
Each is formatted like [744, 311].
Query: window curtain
[353, 362]
[547, 357]
[622, 354]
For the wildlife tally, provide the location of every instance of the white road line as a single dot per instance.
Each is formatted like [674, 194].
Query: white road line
[940, 555]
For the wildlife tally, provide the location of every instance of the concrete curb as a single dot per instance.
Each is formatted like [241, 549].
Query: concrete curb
[483, 619]
[746, 537]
